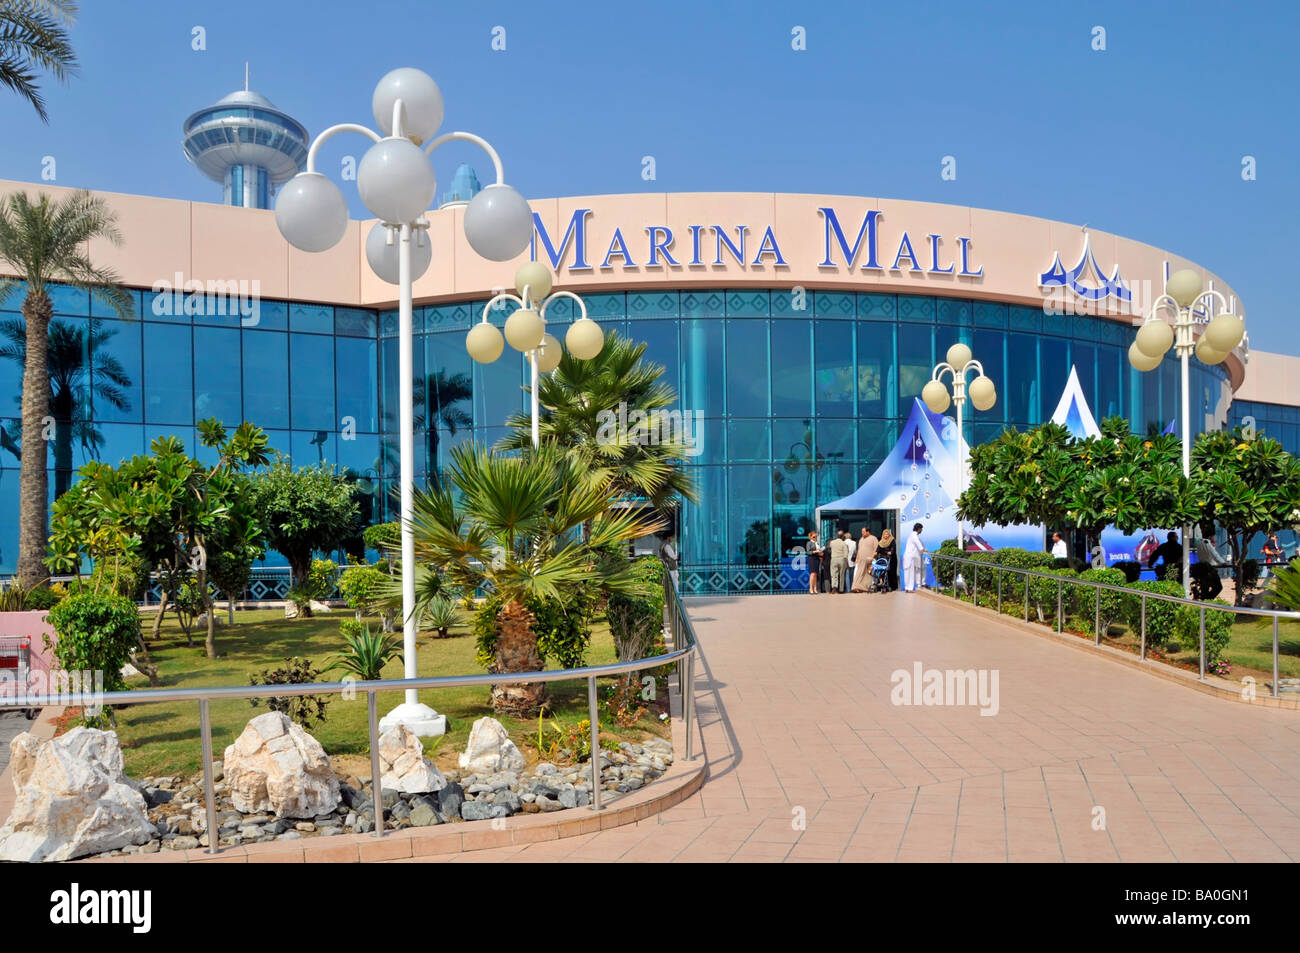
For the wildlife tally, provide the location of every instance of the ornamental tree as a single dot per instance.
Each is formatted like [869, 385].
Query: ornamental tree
[304, 511]
[1244, 485]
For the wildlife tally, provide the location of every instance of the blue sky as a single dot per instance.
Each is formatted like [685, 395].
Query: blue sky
[1145, 139]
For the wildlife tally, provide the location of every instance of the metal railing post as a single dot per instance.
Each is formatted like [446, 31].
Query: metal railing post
[1060, 618]
[209, 795]
[1276, 673]
[1144, 627]
[999, 593]
[688, 706]
[1202, 643]
[376, 783]
[975, 585]
[1026, 595]
[1096, 622]
[594, 715]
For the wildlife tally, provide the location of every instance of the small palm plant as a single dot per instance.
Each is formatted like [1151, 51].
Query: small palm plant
[1284, 588]
[365, 654]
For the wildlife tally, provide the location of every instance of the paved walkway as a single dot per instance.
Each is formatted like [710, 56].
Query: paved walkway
[1085, 760]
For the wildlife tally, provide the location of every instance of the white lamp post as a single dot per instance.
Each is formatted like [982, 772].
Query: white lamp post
[397, 184]
[1183, 296]
[526, 330]
[982, 394]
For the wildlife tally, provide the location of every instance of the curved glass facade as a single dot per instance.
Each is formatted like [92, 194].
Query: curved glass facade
[800, 396]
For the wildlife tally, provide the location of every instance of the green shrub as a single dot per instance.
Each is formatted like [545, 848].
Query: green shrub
[321, 576]
[636, 622]
[96, 633]
[563, 632]
[1043, 593]
[943, 568]
[42, 597]
[1132, 570]
[1164, 619]
[361, 585]
[440, 615]
[303, 709]
[1218, 629]
[1084, 601]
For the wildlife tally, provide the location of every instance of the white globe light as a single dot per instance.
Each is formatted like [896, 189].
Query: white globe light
[585, 339]
[1141, 360]
[421, 102]
[311, 212]
[498, 223]
[396, 181]
[536, 277]
[1183, 286]
[958, 356]
[1208, 354]
[548, 358]
[1224, 332]
[1154, 338]
[982, 393]
[524, 329]
[484, 343]
[383, 257]
[936, 396]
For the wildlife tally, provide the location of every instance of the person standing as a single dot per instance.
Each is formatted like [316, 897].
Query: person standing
[914, 561]
[1171, 552]
[866, 555]
[839, 552]
[853, 555]
[668, 553]
[814, 560]
[1059, 549]
[1206, 553]
[889, 549]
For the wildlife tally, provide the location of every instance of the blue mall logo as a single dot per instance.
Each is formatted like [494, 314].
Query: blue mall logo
[1057, 276]
[664, 249]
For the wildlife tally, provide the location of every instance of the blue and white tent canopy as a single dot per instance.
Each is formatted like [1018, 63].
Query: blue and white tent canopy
[1072, 410]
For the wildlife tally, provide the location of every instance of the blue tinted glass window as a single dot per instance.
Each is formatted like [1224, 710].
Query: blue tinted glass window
[1021, 385]
[237, 185]
[311, 370]
[168, 375]
[314, 318]
[266, 380]
[444, 399]
[217, 378]
[915, 363]
[750, 516]
[355, 322]
[169, 306]
[660, 338]
[703, 367]
[99, 309]
[792, 380]
[356, 378]
[986, 347]
[311, 447]
[835, 378]
[747, 374]
[875, 369]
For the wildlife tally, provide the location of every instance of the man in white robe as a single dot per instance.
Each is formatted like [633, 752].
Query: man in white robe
[914, 561]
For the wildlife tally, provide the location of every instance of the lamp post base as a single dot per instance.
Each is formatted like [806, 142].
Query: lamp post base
[422, 720]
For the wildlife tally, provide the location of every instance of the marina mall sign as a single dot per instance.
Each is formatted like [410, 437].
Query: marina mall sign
[853, 244]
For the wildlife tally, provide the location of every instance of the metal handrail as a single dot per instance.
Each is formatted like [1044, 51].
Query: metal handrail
[684, 646]
[1274, 614]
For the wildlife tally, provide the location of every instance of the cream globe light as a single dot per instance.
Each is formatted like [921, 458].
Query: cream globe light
[1141, 360]
[498, 223]
[958, 356]
[484, 343]
[1154, 338]
[1184, 286]
[525, 330]
[421, 103]
[584, 339]
[396, 181]
[536, 277]
[1208, 354]
[982, 393]
[548, 356]
[382, 253]
[935, 395]
[1224, 332]
[311, 212]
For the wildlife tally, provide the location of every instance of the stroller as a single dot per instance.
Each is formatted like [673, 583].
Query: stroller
[880, 574]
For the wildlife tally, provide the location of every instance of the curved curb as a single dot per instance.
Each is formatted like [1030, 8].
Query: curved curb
[1215, 689]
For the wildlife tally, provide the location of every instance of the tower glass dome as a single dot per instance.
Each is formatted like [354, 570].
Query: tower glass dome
[248, 145]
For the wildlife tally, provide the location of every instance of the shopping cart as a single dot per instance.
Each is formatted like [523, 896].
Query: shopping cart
[15, 669]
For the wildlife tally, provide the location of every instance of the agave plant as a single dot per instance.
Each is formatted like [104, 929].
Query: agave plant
[365, 654]
[514, 525]
[441, 614]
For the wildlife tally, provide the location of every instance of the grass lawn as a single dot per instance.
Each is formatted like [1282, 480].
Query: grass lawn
[163, 739]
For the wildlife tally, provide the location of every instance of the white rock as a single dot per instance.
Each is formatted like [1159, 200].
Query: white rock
[490, 749]
[22, 758]
[276, 766]
[403, 764]
[320, 607]
[75, 801]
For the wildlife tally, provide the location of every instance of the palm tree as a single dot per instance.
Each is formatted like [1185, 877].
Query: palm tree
[34, 36]
[576, 402]
[44, 242]
[81, 375]
[437, 400]
[511, 524]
